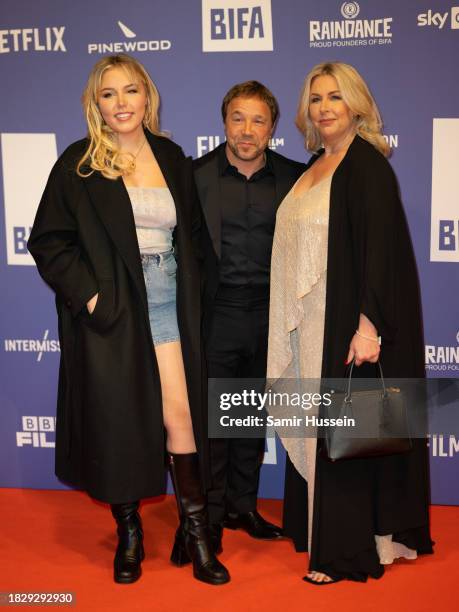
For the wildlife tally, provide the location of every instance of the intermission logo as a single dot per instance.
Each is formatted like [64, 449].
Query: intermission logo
[204, 144]
[444, 220]
[32, 39]
[350, 31]
[442, 358]
[237, 25]
[130, 45]
[32, 345]
[37, 153]
[439, 20]
[443, 446]
[37, 431]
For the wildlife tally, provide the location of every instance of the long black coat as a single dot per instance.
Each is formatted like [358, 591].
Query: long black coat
[370, 269]
[110, 437]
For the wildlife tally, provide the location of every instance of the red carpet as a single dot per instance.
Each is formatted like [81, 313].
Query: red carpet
[59, 541]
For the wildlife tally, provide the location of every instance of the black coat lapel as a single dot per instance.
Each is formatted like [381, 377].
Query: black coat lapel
[172, 172]
[112, 203]
[208, 186]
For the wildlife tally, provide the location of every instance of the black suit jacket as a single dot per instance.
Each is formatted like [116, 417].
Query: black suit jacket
[206, 174]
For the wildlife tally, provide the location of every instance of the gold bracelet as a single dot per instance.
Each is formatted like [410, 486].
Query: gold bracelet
[373, 338]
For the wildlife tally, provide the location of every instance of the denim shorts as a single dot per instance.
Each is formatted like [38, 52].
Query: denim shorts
[159, 272]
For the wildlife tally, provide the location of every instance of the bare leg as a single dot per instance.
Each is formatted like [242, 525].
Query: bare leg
[176, 409]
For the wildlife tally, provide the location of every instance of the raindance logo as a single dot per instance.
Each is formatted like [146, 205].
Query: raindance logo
[32, 345]
[443, 358]
[129, 46]
[37, 431]
[350, 10]
[351, 32]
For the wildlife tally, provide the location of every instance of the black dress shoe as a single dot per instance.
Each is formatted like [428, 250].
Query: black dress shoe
[255, 525]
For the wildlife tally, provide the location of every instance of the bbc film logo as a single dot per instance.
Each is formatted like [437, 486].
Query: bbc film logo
[444, 220]
[37, 432]
[236, 25]
[350, 31]
[130, 45]
[205, 144]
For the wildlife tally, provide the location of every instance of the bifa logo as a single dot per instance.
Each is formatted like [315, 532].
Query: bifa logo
[350, 31]
[32, 39]
[442, 358]
[439, 20]
[443, 446]
[37, 431]
[31, 155]
[32, 345]
[444, 220]
[130, 45]
[237, 25]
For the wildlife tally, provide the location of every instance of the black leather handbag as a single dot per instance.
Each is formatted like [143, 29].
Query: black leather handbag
[381, 423]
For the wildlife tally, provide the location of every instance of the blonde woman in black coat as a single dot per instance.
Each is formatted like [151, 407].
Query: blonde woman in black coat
[112, 237]
[351, 293]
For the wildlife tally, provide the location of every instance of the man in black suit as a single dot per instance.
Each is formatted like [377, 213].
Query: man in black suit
[240, 184]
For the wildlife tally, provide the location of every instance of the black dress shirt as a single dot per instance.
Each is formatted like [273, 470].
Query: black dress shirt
[248, 215]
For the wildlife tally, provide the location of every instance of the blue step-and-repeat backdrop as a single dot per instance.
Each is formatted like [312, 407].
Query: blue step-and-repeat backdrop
[195, 51]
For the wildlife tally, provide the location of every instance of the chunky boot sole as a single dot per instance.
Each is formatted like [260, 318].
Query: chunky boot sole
[130, 579]
[127, 579]
[179, 556]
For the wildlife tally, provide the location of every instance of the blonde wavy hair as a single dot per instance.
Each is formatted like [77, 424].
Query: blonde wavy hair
[103, 153]
[356, 95]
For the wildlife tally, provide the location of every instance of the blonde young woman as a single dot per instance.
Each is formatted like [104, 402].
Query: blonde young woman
[353, 280]
[112, 237]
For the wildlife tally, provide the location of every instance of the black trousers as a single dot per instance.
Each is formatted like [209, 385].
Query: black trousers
[236, 348]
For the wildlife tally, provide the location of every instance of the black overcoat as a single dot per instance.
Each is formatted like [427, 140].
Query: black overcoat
[370, 269]
[110, 438]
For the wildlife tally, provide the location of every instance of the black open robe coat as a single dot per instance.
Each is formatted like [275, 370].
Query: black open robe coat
[110, 438]
[371, 269]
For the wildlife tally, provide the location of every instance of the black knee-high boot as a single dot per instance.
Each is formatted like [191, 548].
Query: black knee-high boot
[192, 540]
[129, 553]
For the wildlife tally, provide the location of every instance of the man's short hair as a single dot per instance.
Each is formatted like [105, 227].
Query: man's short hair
[251, 89]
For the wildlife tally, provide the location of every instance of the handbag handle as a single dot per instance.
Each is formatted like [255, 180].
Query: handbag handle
[348, 396]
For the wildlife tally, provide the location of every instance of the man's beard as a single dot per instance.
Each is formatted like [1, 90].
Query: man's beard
[249, 156]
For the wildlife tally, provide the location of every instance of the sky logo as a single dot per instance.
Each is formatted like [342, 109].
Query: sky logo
[232, 25]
